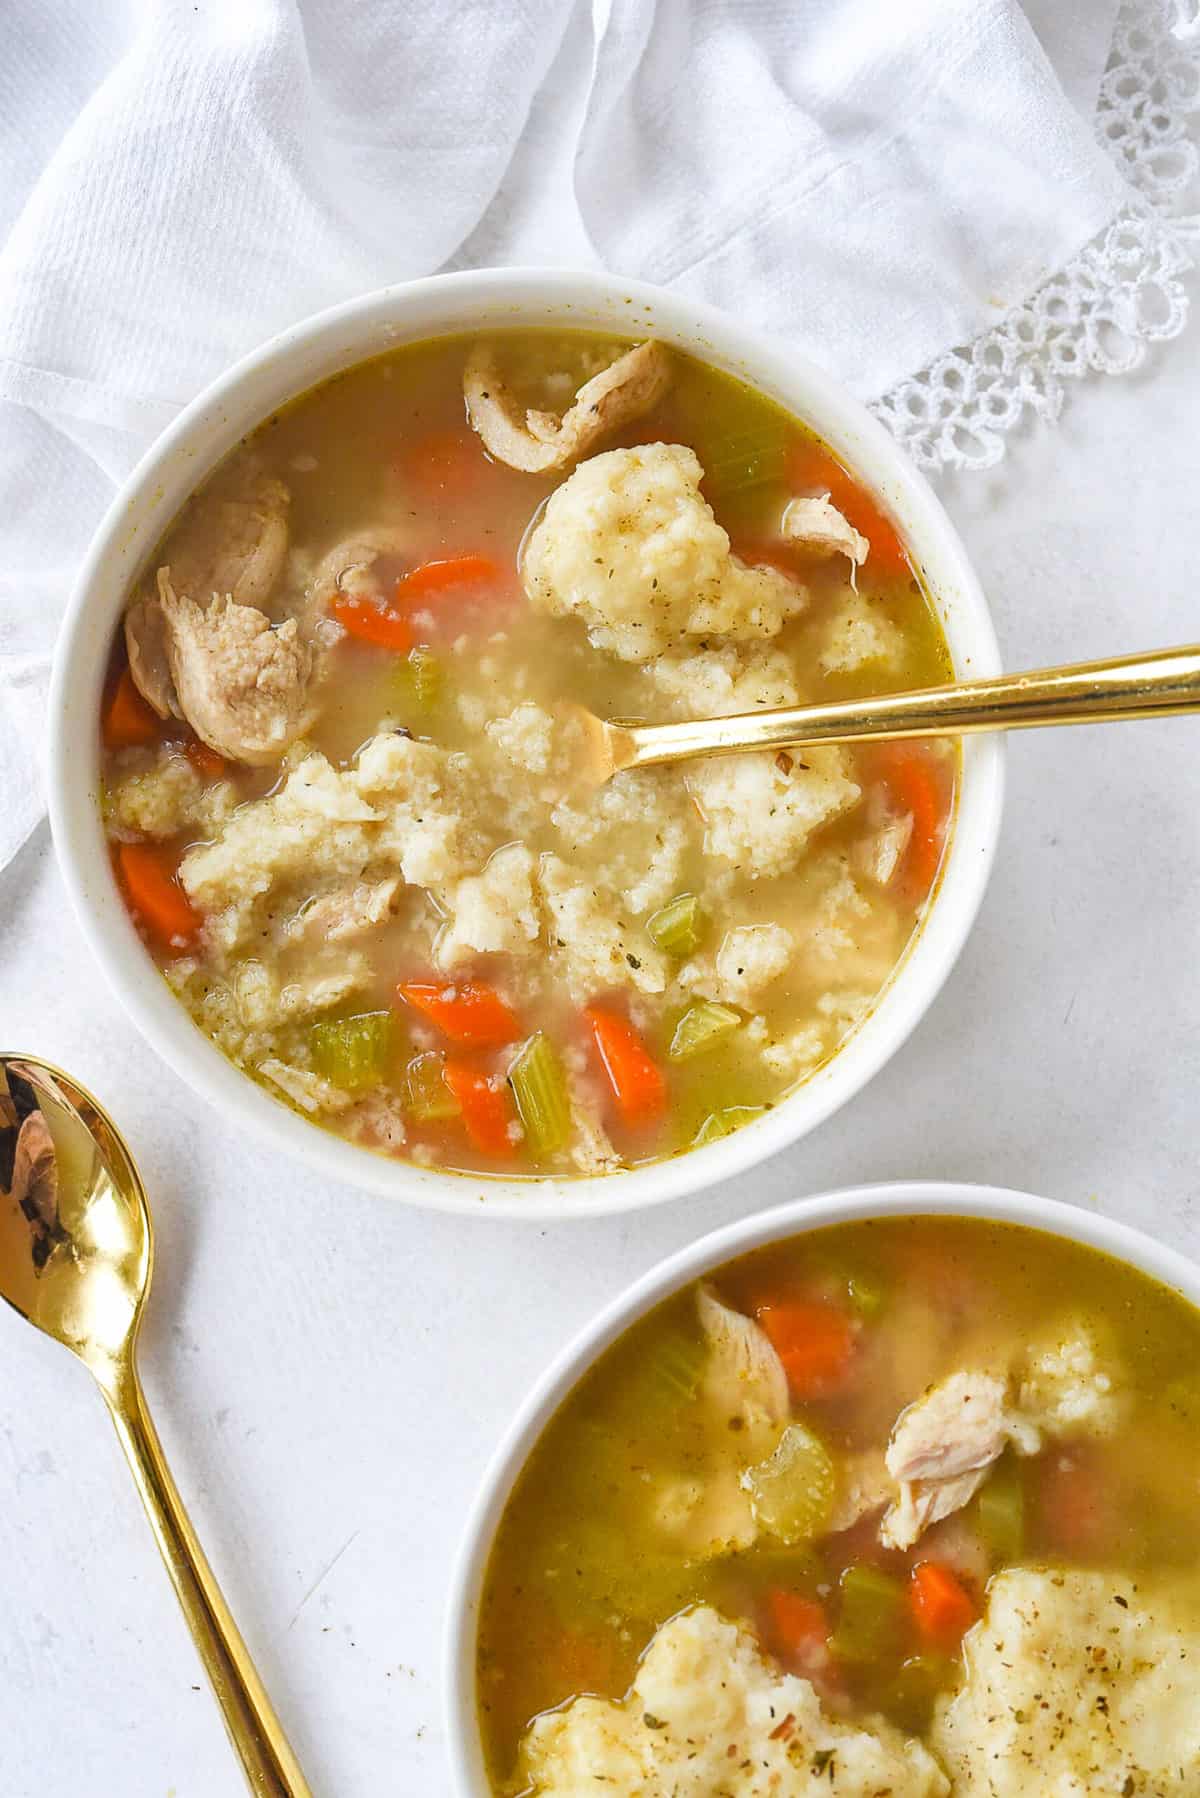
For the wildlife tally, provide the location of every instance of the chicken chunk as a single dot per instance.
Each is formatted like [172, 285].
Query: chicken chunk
[351, 566]
[744, 1377]
[817, 527]
[536, 441]
[942, 1447]
[630, 546]
[242, 684]
[229, 544]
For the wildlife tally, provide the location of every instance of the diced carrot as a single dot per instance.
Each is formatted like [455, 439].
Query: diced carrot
[942, 1608]
[798, 1627]
[467, 1011]
[814, 1341]
[444, 462]
[487, 1110]
[436, 577]
[1074, 1505]
[129, 720]
[907, 771]
[814, 469]
[148, 875]
[637, 1082]
[372, 624]
[206, 760]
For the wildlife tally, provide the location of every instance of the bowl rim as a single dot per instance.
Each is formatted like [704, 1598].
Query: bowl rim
[222, 414]
[796, 1217]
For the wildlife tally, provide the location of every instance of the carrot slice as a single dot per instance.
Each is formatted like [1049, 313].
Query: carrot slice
[467, 1011]
[942, 1608]
[372, 624]
[206, 760]
[435, 577]
[128, 719]
[148, 875]
[486, 1109]
[799, 1628]
[908, 773]
[814, 468]
[637, 1082]
[814, 1341]
[444, 462]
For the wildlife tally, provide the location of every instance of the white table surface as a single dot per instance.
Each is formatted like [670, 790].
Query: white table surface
[329, 1373]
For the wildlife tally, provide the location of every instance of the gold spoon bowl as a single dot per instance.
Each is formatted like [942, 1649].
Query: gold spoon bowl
[76, 1258]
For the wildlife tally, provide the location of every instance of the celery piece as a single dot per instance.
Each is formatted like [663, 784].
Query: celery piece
[678, 929]
[419, 679]
[872, 1614]
[866, 1294]
[746, 459]
[1000, 1509]
[676, 1363]
[910, 1698]
[540, 1089]
[792, 1490]
[426, 1095]
[352, 1052]
[701, 1028]
[724, 1123]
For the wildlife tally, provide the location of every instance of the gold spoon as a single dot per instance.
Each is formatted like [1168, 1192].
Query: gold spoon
[76, 1255]
[1142, 686]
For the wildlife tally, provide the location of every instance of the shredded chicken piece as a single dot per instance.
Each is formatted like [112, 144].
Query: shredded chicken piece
[345, 912]
[349, 567]
[224, 544]
[243, 684]
[816, 525]
[146, 647]
[536, 441]
[744, 1377]
[942, 1448]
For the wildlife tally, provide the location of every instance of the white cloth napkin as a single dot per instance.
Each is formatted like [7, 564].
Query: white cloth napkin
[880, 181]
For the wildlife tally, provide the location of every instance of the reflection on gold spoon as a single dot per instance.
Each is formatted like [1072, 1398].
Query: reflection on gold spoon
[76, 1255]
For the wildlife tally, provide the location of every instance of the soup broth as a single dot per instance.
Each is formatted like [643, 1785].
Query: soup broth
[400, 913]
[661, 1484]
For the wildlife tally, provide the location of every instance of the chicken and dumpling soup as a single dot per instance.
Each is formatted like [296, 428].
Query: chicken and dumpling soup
[341, 775]
[905, 1507]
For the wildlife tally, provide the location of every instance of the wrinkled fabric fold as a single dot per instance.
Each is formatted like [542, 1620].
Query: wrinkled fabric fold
[178, 182]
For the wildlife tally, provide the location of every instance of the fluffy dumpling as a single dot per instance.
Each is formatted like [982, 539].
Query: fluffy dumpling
[709, 1717]
[1077, 1684]
[630, 545]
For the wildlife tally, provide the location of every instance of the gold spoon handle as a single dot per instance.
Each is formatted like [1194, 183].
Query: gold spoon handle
[254, 1729]
[1142, 686]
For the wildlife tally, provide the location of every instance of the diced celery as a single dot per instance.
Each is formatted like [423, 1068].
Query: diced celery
[724, 1123]
[792, 1490]
[911, 1696]
[419, 679]
[872, 1614]
[1001, 1512]
[701, 1028]
[678, 929]
[865, 1292]
[749, 458]
[427, 1097]
[676, 1363]
[352, 1052]
[540, 1089]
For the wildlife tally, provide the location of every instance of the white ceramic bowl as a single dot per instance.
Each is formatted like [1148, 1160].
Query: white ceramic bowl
[295, 361]
[797, 1218]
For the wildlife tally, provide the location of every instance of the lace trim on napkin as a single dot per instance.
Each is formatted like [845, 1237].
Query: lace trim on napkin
[1121, 294]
